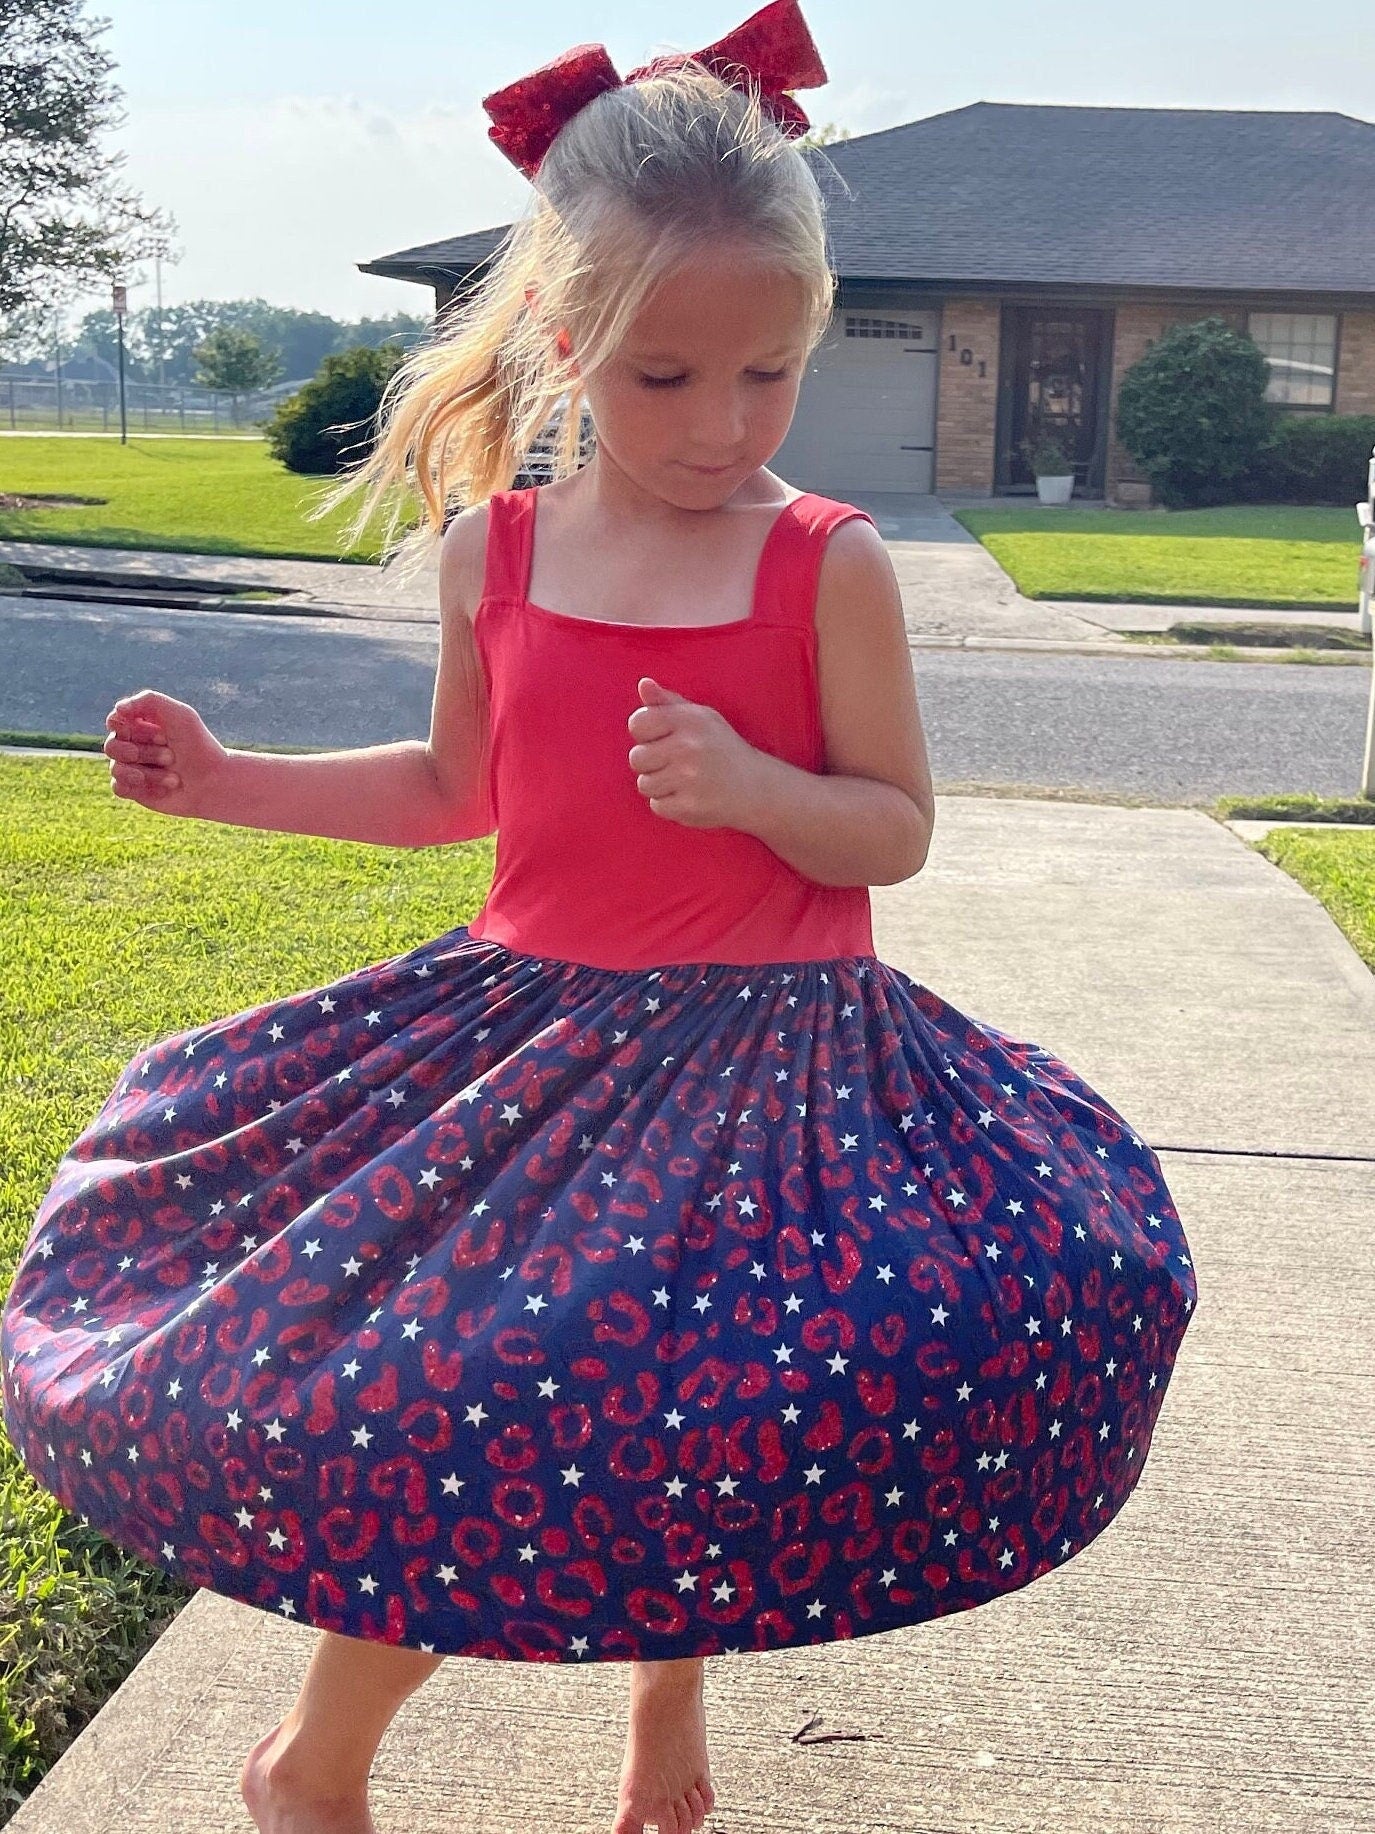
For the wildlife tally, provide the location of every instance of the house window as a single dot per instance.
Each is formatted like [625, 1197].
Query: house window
[1302, 352]
[857, 325]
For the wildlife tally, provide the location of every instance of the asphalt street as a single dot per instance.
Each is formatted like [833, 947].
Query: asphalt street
[1174, 729]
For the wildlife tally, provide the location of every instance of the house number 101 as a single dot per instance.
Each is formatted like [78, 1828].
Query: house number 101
[967, 356]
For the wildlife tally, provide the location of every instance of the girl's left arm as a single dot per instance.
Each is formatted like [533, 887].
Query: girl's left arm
[867, 819]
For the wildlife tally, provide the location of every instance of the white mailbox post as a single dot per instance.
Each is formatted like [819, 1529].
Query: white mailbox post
[1365, 515]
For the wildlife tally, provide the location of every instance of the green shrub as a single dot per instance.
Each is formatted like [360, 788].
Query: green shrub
[330, 423]
[1312, 458]
[1193, 415]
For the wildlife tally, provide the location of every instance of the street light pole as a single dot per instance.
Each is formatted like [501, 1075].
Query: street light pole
[157, 269]
[57, 366]
[120, 306]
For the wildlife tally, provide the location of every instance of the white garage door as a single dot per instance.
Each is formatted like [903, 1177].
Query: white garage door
[866, 411]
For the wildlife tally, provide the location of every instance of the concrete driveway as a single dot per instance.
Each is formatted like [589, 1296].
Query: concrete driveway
[953, 588]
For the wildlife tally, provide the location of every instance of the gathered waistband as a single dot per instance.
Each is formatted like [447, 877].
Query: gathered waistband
[720, 970]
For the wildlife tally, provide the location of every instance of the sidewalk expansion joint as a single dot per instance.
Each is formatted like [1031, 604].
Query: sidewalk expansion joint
[1265, 1152]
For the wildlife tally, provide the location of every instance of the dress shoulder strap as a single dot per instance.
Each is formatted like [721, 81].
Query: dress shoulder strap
[510, 527]
[790, 569]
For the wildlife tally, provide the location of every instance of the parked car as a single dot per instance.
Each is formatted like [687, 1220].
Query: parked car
[538, 467]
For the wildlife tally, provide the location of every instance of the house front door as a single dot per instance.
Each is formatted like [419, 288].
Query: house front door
[1051, 375]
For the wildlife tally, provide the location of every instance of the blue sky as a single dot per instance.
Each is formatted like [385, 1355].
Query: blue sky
[291, 141]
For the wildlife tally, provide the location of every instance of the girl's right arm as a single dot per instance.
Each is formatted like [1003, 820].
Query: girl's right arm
[410, 794]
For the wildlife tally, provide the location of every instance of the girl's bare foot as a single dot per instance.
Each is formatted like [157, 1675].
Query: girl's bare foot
[666, 1775]
[279, 1806]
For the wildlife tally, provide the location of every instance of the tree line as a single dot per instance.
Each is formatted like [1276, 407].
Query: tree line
[217, 343]
[69, 224]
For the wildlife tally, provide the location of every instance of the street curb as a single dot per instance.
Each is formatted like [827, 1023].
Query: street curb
[1252, 828]
[1107, 647]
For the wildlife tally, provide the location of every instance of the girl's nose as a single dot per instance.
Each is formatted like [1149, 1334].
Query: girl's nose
[722, 426]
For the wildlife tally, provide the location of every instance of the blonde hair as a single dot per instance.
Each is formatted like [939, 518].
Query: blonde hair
[638, 182]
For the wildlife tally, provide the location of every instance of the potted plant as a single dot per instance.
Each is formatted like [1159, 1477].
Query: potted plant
[1052, 466]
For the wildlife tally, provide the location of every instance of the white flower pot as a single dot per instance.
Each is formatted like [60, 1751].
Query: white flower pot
[1055, 490]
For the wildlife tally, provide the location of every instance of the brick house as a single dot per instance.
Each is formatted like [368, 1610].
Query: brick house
[1009, 259]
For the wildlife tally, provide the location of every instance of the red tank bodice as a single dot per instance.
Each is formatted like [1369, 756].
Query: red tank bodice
[585, 870]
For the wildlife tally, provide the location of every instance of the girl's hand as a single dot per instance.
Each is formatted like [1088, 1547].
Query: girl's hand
[690, 762]
[161, 752]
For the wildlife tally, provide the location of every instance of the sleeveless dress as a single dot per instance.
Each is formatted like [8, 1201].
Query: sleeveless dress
[643, 1269]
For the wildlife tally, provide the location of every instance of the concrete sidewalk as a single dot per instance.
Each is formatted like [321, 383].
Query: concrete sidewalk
[954, 592]
[1206, 1664]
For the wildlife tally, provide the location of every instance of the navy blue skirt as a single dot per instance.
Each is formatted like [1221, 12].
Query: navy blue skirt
[509, 1307]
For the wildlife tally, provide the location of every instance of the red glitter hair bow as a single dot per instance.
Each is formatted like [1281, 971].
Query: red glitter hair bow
[773, 47]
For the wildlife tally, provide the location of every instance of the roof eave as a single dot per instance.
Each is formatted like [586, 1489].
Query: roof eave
[1337, 298]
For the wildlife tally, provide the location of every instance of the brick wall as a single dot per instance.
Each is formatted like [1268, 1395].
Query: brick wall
[1356, 364]
[967, 395]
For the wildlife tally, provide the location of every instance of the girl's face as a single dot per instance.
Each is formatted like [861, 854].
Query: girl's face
[708, 376]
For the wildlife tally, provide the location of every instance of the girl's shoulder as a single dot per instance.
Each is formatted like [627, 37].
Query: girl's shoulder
[464, 556]
[815, 507]
[817, 515]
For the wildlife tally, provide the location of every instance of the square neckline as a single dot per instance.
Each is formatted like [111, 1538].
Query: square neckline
[750, 618]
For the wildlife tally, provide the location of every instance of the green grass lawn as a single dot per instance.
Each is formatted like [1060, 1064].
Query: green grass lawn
[1293, 557]
[122, 926]
[1339, 870]
[196, 496]
[231, 497]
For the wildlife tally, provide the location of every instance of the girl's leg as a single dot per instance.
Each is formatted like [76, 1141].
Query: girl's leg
[309, 1774]
[666, 1774]
[319, 1756]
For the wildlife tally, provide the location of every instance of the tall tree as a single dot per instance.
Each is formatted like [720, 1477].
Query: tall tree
[236, 361]
[65, 219]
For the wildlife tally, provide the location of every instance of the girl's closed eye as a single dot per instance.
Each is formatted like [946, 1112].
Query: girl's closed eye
[776, 375]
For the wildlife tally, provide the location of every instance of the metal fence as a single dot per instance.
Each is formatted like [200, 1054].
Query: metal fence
[74, 405]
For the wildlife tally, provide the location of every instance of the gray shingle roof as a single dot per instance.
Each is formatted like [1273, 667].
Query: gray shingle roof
[1258, 200]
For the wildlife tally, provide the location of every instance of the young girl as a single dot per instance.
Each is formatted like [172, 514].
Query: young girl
[643, 1271]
